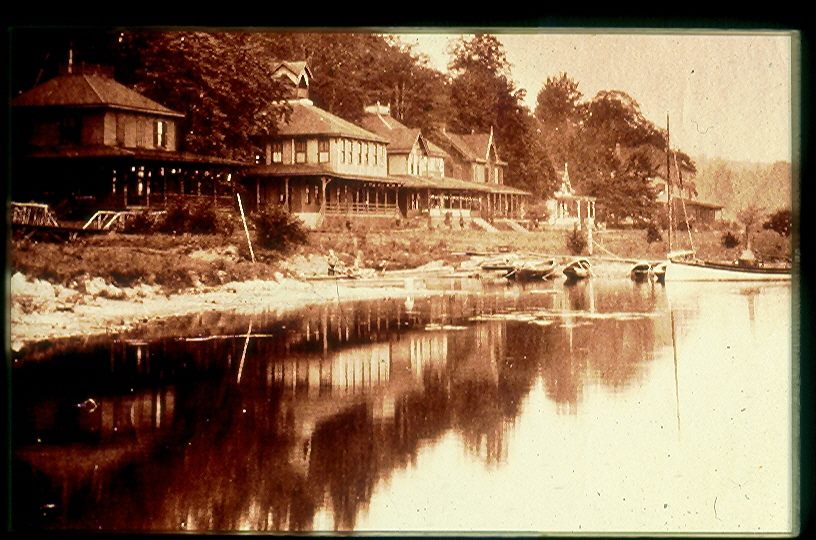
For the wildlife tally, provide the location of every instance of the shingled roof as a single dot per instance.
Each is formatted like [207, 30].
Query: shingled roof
[307, 119]
[401, 138]
[89, 91]
[473, 146]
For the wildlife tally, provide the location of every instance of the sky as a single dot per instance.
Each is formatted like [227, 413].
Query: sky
[727, 95]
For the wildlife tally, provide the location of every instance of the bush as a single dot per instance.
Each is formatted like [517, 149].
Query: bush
[729, 240]
[770, 246]
[141, 223]
[576, 241]
[653, 233]
[278, 230]
[448, 217]
[194, 216]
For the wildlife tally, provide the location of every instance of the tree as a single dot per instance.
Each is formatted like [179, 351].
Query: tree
[484, 96]
[780, 222]
[558, 103]
[750, 216]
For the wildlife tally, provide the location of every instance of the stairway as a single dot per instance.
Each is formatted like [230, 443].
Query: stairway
[484, 225]
[515, 225]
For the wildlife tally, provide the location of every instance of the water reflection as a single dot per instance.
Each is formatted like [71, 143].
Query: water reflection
[294, 423]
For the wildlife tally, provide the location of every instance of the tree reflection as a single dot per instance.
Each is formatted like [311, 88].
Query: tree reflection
[329, 404]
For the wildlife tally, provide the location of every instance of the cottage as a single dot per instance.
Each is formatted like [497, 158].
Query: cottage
[475, 158]
[85, 142]
[318, 165]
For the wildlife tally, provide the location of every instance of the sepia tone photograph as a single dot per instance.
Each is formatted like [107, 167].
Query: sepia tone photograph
[403, 280]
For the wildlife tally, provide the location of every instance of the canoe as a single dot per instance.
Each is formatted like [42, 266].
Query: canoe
[646, 270]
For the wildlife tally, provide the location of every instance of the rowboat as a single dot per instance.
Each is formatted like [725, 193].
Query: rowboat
[533, 270]
[577, 269]
[646, 270]
[503, 264]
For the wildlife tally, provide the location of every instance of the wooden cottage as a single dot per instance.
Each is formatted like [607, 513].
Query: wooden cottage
[474, 158]
[84, 142]
[568, 209]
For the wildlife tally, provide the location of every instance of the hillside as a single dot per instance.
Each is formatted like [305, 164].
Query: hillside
[737, 184]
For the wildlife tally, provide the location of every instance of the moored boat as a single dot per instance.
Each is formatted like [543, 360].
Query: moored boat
[697, 270]
[578, 269]
[646, 270]
[533, 270]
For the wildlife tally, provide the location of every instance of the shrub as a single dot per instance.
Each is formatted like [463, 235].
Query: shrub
[653, 233]
[729, 240]
[770, 246]
[278, 230]
[141, 223]
[576, 241]
[448, 217]
[780, 221]
[193, 216]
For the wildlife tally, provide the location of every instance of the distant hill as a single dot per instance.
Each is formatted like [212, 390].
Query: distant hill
[737, 184]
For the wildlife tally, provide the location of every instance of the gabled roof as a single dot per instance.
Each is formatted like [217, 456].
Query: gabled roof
[307, 119]
[293, 70]
[473, 147]
[401, 138]
[89, 91]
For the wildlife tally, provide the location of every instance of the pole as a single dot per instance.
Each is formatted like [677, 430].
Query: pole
[668, 181]
[246, 229]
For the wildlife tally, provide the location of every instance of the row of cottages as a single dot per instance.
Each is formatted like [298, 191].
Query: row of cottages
[320, 166]
[84, 142]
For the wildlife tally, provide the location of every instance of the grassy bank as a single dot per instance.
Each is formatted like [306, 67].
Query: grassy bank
[177, 262]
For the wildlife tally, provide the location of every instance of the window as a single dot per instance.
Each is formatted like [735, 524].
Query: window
[376, 154]
[70, 130]
[160, 134]
[359, 153]
[300, 151]
[323, 150]
[277, 152]
[367, 151]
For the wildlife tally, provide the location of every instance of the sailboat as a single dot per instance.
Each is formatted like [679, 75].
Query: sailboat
[684, 265]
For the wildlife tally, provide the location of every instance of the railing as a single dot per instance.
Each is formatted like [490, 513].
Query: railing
[386, 209]
[112, 219]
[32, 214]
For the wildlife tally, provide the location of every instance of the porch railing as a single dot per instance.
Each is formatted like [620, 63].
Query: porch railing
[383, 209]
[32, 214]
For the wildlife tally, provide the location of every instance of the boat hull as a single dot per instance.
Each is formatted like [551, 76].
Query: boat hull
[692, 271]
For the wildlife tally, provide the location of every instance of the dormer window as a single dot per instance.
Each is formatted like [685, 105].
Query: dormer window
[300, 151]
[277, 152]
[160, 134]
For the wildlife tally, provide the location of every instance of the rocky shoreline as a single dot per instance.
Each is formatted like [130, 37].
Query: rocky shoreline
[41, 310]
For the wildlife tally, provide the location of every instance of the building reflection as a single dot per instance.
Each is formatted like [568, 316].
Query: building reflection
[287, 419]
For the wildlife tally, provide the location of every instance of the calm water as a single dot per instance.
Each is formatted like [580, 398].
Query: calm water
[560, 409]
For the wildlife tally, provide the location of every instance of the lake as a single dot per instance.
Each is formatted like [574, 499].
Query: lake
[602, 406]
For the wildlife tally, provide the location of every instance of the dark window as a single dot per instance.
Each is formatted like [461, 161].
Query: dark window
[300, 151]
[70, 130]
[277, 152]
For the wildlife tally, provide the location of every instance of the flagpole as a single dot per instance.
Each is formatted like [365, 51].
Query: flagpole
[668, 182]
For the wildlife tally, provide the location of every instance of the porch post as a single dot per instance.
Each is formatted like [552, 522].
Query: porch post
[257, 194]
[323, 183]
[286, 194]
[580, 223]
[164, 185]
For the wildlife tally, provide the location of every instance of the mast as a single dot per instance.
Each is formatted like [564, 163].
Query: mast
[668, 182]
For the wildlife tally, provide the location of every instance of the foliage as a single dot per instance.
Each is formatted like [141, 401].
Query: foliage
[196, 216]
[780, 222]
[729, 240]
[278, 230]
[483, 96]
[653, 233]
[576, 241]
[770, 246]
